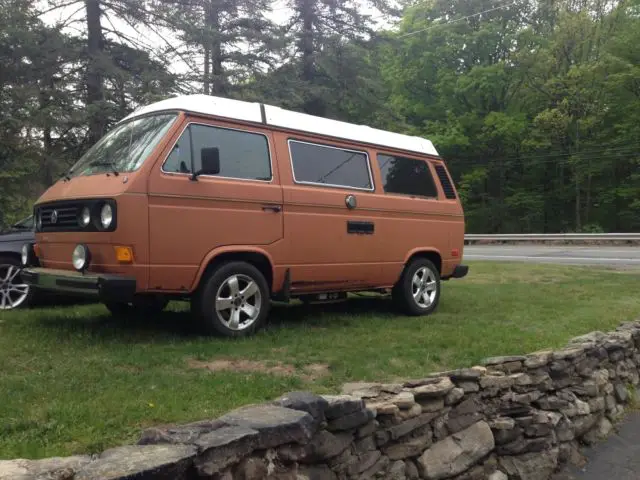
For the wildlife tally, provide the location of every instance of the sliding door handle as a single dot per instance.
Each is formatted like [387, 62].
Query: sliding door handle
[272, 208]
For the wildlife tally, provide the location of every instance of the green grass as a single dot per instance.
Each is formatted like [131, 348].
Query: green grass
[73, 380]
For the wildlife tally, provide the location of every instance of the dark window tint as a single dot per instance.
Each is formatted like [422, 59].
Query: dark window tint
[242, 154]
[406, 176]
[449, 191]
[328, 165]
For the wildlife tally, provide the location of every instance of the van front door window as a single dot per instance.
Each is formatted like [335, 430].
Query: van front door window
[243, 155]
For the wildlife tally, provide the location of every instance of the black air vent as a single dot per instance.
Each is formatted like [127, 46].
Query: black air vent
[449, 191]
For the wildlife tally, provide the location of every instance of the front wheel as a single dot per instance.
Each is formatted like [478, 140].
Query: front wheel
[14, 293]
[418, 290]
[233, 301]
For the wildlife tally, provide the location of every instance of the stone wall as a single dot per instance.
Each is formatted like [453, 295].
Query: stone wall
[518, 417]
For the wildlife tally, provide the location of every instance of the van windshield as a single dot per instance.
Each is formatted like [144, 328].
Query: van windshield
[124, 148]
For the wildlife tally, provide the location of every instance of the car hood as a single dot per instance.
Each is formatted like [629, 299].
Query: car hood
[99, 185]
[16, 236]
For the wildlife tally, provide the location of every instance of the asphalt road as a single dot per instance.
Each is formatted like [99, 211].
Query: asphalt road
[566, 254]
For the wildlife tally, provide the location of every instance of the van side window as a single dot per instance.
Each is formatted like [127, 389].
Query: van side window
[320, 164]
[243, 155]
[406, 176]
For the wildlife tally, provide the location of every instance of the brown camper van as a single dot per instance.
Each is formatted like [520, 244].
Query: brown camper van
[233, 204]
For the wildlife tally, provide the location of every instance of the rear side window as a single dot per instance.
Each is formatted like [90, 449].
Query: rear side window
[332, 166]
[406, 176]
[243, 155]
[447, 186]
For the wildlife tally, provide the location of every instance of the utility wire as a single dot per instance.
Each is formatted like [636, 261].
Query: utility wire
[456, 20]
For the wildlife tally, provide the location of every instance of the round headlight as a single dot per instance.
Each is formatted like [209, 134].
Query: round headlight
[24, 255]
[85, 217]
[106, 216]
[80, 257]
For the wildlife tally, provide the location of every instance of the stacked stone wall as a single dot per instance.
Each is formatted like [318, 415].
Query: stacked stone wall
[517, 417]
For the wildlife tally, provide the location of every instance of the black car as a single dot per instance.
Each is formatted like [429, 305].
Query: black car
[14, 293]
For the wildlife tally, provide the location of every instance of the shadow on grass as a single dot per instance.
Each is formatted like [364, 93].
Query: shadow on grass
[176, 323]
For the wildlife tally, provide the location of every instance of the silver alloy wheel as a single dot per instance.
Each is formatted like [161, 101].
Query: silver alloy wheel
[238, 302]
[12, 293]
[424, 287]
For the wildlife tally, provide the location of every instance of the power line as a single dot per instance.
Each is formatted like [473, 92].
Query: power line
[456, 20]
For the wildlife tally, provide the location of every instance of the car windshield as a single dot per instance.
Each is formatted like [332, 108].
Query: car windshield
[24, 224]
[125, 147]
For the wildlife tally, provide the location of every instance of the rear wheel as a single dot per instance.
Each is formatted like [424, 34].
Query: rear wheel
[141, 305]
[14, 293]
[233, 301]
[418, 290]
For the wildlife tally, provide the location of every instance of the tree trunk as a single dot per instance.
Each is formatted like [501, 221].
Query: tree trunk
[207, 71]
[218, 81]
[95, 89]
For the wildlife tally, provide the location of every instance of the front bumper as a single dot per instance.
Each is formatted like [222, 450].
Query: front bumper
[105, 287]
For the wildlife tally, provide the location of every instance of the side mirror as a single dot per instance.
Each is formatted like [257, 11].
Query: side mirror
[209, 161]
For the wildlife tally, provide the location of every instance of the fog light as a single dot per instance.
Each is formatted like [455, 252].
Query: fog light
[124, 254]
[81, 257]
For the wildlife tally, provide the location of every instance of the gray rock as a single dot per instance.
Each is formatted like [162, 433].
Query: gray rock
[457, 453]
[404, 400]
[504, 437]
[498, 475]
[366, 444]
[414, 411]
[597, 404]
[408, 448]
[55, 468]
[622, 394]
[570, 353]
[496, 381]
[463, 374]
[367, 429]
[314, 405]
[276, 425]
[418, 382]
[501, 360]
[180, 434]
[412, 470]
[404, 428]
[362, 389]
[352, 420]
[524, 445]
[222, 447]
[162, 462]
[315, 472]
[252, 468]
[583, 424]
[381, 464]
[531, 466]
[502, 423]
[364, 462]
[538, 359]
[600, 432]
[341, 405]
[434, 390]
[593, 337]
[463, 415]
[469, 387]
[383, 407]
[588, 388]
[397, 471]
[455, 395]
[431, 404]
[322, 446]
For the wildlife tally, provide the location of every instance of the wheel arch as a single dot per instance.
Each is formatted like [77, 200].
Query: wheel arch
[430, 254]
[254, 256]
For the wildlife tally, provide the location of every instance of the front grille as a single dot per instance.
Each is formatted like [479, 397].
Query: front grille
[59, 217]
[62, 215]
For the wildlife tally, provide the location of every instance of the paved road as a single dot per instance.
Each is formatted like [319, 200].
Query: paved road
[616, 458]
[566, 254]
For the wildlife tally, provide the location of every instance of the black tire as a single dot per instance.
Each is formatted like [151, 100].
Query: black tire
[142, 305]
[403, 291]
[6, 262]
[203, 304]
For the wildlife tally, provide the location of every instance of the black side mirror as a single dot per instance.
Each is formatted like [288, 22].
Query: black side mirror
[209, 161]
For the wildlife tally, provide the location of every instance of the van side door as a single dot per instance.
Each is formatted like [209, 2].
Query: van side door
[330, 228]
[239, 206]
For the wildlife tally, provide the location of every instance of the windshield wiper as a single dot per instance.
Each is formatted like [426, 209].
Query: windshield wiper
[112, 165]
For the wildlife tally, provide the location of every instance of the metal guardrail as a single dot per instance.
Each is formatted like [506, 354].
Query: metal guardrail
[519, 237]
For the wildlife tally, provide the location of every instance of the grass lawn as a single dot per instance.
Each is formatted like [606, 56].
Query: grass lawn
[73, 380]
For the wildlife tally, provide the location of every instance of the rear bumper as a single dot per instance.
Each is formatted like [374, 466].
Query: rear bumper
[104, 287]
[459, 271]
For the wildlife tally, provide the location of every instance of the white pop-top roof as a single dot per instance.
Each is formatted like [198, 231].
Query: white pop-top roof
[279, 117]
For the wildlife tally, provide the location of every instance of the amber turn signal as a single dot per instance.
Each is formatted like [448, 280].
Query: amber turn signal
[124, 254]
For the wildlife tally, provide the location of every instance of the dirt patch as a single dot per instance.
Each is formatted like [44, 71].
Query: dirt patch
[310, 372]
